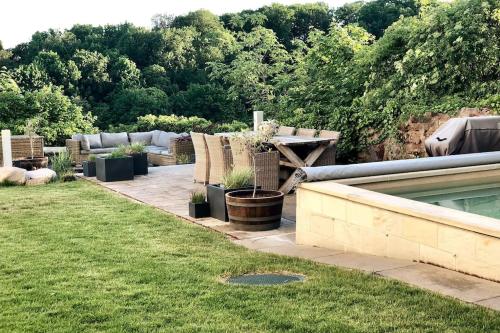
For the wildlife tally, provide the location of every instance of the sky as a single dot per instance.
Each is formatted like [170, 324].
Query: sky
[19, 19]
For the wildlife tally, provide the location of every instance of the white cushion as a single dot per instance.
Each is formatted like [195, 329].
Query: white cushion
[91, 141]
[141, 137]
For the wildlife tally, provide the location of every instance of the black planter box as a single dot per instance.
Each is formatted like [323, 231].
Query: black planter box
[199, 210]
[140, 163]
[88, 168]
[216, 197]
[114, 169]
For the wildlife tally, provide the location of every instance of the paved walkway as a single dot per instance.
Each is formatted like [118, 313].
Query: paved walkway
[168, 188]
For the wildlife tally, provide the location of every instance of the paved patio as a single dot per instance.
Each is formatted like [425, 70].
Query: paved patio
[168, 188]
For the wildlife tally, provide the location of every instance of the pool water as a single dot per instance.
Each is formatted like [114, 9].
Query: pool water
[482, 200]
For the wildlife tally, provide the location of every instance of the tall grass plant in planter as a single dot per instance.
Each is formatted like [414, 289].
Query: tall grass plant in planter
[89, 166]
[255, 209]
[140, 157]
[216, 194]
[198, 205]
[116, 166]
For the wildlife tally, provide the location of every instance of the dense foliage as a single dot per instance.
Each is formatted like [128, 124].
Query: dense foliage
[359, 69]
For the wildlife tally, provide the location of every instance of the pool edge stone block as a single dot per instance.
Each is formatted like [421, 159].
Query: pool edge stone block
[365, 228]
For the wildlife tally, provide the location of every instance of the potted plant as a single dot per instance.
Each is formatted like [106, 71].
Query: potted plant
[115, 167]
[256, 209]
[198, 206]
[89, 166]
[216, 194]
[140, 157]
[32, 162]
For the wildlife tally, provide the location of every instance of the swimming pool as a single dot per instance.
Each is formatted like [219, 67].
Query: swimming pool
[446, 217]
[477, 199]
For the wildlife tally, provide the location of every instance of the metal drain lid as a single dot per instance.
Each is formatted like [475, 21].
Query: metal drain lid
[264, 279]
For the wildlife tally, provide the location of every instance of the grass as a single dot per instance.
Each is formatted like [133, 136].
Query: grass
[75, 258]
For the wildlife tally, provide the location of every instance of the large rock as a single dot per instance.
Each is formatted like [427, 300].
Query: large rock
[13, 175]
[40, 176]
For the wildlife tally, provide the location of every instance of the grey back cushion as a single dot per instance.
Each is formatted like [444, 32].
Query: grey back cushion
[91, 141]
[155, 138]
[164, 139]
[77, 137]
[114, 139]
[141, 137]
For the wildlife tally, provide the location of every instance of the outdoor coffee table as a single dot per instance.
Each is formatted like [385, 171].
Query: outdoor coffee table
[287, 146]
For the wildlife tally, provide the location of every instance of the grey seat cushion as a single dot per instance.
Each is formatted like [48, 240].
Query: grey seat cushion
[91, 141]
[141, 137]
[99, 150]
[153, 149]
[114, 139]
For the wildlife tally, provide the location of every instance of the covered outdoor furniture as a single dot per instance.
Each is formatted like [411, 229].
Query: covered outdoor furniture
[328, 156]
[21, 147]
[286, 130]
[267, 164]
[306, 132]
[163, 148]
[221, 159]
[202, 159]
[464, 136]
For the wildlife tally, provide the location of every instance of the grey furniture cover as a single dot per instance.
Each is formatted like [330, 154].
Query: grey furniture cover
[464, 136]
[331, 172]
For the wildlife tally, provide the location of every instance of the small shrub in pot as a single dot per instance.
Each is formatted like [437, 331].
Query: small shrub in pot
[115, 167]
[216, 194]
[198, 206]
[140, 157]
[89, 166]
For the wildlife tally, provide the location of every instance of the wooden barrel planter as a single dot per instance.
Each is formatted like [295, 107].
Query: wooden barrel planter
[255, 214]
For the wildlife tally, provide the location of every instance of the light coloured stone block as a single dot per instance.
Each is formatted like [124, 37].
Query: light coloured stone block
[321, 225]
[388, 221]
[457, 241]
[360, 214]
[438, 257]
[478, 267]
[373, 242]
[421, 231]
[401, 248]
[488, 249]
[334, 207]
[348, 235]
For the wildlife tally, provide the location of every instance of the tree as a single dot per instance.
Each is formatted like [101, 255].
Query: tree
[156, 76]
[124, 73]
[94, 68]
[58, 72]
[128, 104]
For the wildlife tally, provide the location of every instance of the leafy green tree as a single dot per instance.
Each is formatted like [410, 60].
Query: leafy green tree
[156, 76]
[249, 77]
[94, 70]
[128, 104]
[58, 72]
[59, 116]
[31, 76]
[125, 73]
[209, 101]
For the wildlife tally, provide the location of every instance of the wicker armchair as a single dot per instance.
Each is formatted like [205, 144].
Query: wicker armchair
[221, 159]
[306, 132]
[21, 147]
[267, 164]
[285, 130]
[202, 164]
[328, 156]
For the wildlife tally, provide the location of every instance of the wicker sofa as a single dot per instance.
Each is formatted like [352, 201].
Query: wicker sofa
[163, 148]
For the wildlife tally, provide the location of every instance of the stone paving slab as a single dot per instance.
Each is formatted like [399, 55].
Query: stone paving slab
[168, 188]
[448, 282]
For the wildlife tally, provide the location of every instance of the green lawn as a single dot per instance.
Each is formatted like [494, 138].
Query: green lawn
[74, 257]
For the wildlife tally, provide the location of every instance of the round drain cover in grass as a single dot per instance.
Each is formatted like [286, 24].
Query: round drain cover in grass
[265, 279]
